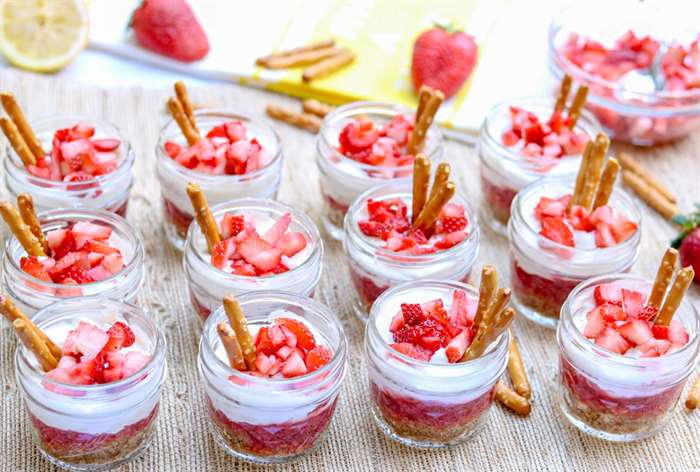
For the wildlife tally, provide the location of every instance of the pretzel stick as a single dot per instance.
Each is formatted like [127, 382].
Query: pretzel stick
[20, 230]
[516, 369]
[577, 105]
[262, 61]
[302, 59]
[328, 65]
[607, 181]
[32, 342]
[564, 90]
[424, 95]
[628, 163]
[203, 215]
[694, 396]
[183, 122]
[420, 128]
[314, 107]
[581, 176]
[484, 334]
[594, 171]
[233, 349]
[442, 175]
[240, 326]
[684, 278]
[663, 277]
[496, 327]
[421, 182]
[15, 113]
[10, 311]
[186, 103]
[431, 210]
[512, 400]
[487, 289]
[650, 195]
[300, 120]
[25, 204]
[17, 143]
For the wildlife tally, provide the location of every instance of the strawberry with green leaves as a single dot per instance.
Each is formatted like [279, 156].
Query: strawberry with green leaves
[688, 241]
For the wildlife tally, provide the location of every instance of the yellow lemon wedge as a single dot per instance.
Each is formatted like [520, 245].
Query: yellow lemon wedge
[42, 35]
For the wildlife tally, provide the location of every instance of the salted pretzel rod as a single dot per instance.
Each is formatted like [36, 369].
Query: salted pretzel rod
[607, 182]
[424, 95]
[203, 215]
[693, 399]
[32, 342]
[594, 171]
[628, 163]
[512, 400]
[184, 99]
[650, 195]
[231, 345]
[487, 290]
[17, 116]
[302, 59]
[10, 311]
[263, 61]
[178, 114]
[430, 212]
[494, 321]
[683, 279]
[516, 369]
[421, 182]
[20, 230]
[329, 65]
[442, 175]
[314, 107]
[25, 204]
[563, 95]
[17, 143]
[240, 326]
[305, 121]
[664, 276]
[581, 176]
[424, 121]
[577, 105]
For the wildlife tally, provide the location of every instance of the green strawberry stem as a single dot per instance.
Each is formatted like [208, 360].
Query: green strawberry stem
[687, 223]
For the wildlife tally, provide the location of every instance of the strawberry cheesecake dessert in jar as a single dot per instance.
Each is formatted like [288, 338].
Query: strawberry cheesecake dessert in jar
[77, 253]
[365, 144]
[67, 161]
[434, 355]
[228, 155]
[389, 239]
[271, 376]
[262, 245]
[527, 139]
[558, 240]
[90, 372]
[626, 353]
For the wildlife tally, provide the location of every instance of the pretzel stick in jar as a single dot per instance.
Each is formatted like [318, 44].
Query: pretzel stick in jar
[203, 215]
[563, 95]
[25, 204]
[427, 217]
[240, 325]
[683, 279]
[425, 120]
[17, 143]
[328, 65]
[178, 114]
[487, 290]
[424, 95]
[577, 105]
[421, 182]
[187, 106]
[231, 345]
[32, 342]
[17, 116]
[594, 171]
[10, 311]
[607, 182]
[442, 175]
[490, 321]
[20, 230]
[664, 276]
[581, 176]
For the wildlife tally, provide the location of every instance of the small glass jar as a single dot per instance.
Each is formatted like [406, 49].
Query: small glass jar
[209, 285]
[504, 172]
[265, 420]
[423, 404]
[105, 192]
[374, 269]
[615, 397]
[173, 177]
[93, 427]
[343, 179]
[544, 272]
[31, 294]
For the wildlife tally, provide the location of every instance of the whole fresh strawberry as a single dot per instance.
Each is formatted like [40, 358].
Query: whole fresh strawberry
[443, 59]
[688, 241]
[169, 27]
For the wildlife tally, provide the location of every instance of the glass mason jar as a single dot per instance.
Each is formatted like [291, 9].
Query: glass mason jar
[504, 172]
[265, 420]
[31, 294]
[173, 177]
[544, 272]
[615, 397]
[208, 285]
[105, 192]
[343, 179]
[374, 269]
[93, 427]
[425, 404]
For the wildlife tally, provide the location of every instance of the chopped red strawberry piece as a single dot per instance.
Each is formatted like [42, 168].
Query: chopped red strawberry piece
[595, 325]
[260, 254]
[172, 149]
[278, 229]
[86, 340]
[317, 358]
[457, 346]
[607, 293]
[105, 145]
[291, 243]
[294, 366]
[655, 347]
[263, 342]
[633, 302]
[33, 267]
[222, 252]
[612, 341]
[113, 263]
[453, 223]
[410, 350]
[231, 225]
[412, 313]
[555, 229]
[604, 236]
[636, 332]
[677, 333]
[550, 207]
[622, 230]
[304, 336]
[120, 335]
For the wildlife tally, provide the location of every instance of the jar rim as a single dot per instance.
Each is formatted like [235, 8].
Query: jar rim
[196, 176]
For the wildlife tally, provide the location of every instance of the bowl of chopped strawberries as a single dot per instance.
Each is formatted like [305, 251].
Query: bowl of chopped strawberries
[643, 73]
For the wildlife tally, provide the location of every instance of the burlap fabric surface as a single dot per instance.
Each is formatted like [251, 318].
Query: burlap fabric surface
[183, 442]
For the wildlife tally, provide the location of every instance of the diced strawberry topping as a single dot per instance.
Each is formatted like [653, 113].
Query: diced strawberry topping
[304, 336]
[612, 341]
[410, 350]
[457, 346]
[633, 302]
[607, 293]
[636, 332]
[555, 229]
[317, 358]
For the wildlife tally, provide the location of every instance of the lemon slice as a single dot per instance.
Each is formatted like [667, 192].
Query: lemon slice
[42, 35]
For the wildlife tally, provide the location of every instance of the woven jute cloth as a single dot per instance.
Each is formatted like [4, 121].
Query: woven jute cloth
[183, 442]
